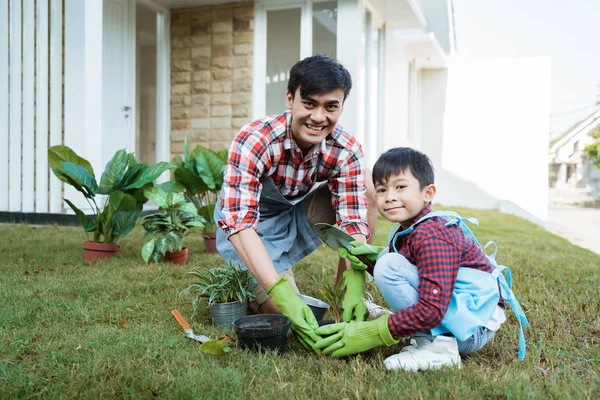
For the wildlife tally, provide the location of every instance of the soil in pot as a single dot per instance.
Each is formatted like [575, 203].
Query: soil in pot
[318, 307]
[178, 257]
[99, 251]
[210, 242]
[324, 322]
[267, 331]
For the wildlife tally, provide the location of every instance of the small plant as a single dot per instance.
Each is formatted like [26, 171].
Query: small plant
[123, 183]
[201, 173]
[168, 226]
[220, 285]
[334, 295]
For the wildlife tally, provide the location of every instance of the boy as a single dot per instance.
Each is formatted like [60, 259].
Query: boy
[286, 172]
[417, 275]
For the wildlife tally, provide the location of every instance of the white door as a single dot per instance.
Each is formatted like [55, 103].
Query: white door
[118, 78]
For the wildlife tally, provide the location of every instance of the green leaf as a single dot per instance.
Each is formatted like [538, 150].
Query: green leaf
[122, 201]
[162, 245]
[192, 182]
[81, 175]
[173, 199]
[157, 195]
[188, 207]
[124, 222]
[63, 176]
[150, 174]
[58, 154]
[132, 161]
[115, 170]
[208, 212]
[148, 249]
[177, 162]
[175, 240]
[171, 187]
[203, 166]
[131, 175]
[186, 149]
[223, 155]
[216, 347]
[88, 224]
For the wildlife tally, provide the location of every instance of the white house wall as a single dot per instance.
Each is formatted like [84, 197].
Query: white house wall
[495, 135]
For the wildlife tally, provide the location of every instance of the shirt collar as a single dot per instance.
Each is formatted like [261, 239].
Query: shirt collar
[421, 214]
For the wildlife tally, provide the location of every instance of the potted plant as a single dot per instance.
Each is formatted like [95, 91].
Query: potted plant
[201, 173]
[122, 182]
[167, 227]
[227, 289]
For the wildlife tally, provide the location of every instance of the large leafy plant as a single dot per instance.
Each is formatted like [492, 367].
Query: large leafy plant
[201, 173]
[123, 183]
[167, 227]
[220, 285]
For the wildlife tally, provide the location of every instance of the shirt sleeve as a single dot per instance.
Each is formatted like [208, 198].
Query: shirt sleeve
[437, 262]
[348, 190]
[241, 182]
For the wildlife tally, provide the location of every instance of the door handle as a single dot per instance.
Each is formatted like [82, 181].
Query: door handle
[126, 108]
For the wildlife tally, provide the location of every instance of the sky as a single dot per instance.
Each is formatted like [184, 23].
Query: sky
[567, 31]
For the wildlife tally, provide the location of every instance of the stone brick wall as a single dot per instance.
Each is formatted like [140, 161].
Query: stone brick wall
[211, 74]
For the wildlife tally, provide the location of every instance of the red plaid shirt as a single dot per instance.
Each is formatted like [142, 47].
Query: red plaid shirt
[265, 149]
[437, 251]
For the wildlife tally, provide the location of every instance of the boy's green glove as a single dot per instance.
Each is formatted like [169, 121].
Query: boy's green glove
[302, 319]
[349, 338]
[353, 303]
[361, 249]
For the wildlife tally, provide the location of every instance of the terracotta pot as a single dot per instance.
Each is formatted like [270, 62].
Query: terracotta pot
[99, 251]
[178, 257]
[210, 242]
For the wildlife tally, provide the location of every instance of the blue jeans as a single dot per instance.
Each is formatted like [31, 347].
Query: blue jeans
[398, 281]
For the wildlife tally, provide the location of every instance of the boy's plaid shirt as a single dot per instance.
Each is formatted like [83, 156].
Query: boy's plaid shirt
[266, 149]
[437, 251]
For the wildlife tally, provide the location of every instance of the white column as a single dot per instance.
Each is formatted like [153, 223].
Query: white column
[351, 54]
[83, 84]
[4, 105]
[28, 171]
[14, 167]
[56, 99]
[163, 103]
[306, 30]
[41, 109]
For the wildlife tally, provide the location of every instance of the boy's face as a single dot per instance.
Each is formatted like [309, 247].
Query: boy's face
[314, 117]
[401, 198]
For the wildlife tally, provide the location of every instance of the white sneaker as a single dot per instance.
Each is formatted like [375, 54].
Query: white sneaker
[423, 353]
[375, 311]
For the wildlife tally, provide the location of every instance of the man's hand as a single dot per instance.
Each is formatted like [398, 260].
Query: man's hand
[353, 303]
[302, 319]
[349, 338]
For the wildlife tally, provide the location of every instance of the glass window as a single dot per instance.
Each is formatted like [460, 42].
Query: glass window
[324, 35]
[283, 51]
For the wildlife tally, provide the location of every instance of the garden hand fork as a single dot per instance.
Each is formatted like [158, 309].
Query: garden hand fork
[187, 328]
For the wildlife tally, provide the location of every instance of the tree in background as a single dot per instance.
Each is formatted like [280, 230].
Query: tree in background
[593, 150]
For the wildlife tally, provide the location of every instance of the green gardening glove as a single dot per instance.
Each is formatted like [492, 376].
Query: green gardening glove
[369, 252]
[302, 319]
[349, 338]
[353, 303]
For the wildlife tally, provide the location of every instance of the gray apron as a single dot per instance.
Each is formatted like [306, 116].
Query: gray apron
[282, 227]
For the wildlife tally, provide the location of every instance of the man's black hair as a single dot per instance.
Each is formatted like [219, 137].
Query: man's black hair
[319, 75]
[398, 160]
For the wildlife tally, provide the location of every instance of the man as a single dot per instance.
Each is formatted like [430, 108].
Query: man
[284, 174]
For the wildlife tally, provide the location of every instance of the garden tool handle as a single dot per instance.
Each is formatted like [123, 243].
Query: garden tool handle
[370, 265]
[180, 320]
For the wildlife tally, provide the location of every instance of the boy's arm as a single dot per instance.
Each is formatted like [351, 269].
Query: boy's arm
[438, 263]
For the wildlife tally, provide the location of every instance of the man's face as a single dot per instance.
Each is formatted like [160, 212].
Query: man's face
[314, 117]
[401, 198]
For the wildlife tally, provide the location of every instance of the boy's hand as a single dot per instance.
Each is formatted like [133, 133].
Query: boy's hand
[349, 338]
[366, 250]
[353, 304]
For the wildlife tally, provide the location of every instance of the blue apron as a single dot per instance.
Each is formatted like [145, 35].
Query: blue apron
[476, 294]
[282, 227]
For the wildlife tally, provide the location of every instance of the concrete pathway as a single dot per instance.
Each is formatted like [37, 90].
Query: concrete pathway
[581, 226]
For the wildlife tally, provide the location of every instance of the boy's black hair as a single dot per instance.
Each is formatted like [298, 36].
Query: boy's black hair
[319, 75]
[398, 160]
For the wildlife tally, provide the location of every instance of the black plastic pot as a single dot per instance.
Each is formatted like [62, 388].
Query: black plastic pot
[324, 322]
[267, 331]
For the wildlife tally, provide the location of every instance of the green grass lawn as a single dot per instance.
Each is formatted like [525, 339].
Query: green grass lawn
[104, 330]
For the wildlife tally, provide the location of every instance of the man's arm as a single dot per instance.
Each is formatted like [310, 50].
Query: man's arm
[253, 253]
